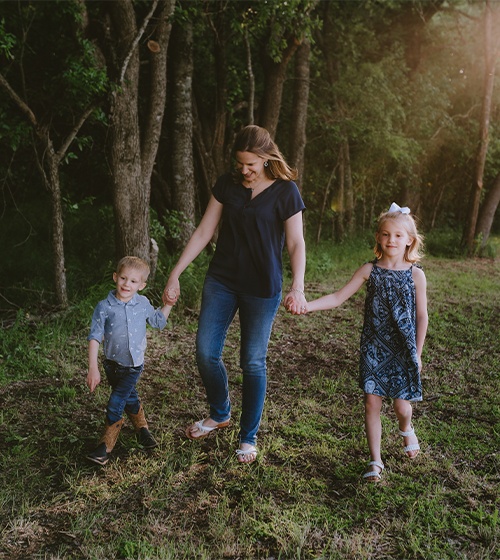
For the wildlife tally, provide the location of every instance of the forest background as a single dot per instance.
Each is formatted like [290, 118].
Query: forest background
[116, 118]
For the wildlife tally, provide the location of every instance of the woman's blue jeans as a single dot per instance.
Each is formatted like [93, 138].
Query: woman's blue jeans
[218, 309]
[124, 395]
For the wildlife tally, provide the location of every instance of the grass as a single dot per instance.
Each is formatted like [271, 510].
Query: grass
[303, 498]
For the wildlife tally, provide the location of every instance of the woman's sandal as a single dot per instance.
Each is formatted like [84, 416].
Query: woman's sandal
[243, 454]
[205, 430]
[373, 475]
[411, 447]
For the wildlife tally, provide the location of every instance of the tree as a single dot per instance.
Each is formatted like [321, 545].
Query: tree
[50, 146]
[491, 49]
[487, 212]
[181, 129]
[284, 26]
[298, 137]
[136, 111]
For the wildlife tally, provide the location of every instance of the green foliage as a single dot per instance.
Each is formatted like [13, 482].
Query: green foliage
[83, 78]
[278, 22]
[411, 130]
[444, 243]
[7, 41]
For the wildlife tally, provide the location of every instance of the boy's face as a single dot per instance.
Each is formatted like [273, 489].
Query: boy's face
[128, 282]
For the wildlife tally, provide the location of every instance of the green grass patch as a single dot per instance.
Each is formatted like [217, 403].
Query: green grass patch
[304, 497]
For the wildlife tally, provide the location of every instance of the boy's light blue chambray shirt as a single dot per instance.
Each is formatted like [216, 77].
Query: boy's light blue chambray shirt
[123, 327]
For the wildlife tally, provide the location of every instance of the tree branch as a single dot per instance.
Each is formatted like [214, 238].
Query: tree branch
[19, 102]
[71, 136]
[136, 40]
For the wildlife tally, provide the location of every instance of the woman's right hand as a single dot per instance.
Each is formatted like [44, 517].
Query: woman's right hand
[171, 292]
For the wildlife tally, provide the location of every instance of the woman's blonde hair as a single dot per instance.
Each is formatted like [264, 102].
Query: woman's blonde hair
[414, 251]
[258, 141]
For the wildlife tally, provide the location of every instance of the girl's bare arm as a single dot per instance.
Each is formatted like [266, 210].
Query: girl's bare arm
[337, 298]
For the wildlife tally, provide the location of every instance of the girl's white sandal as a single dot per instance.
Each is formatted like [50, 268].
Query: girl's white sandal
[373, 475]
[413, 446]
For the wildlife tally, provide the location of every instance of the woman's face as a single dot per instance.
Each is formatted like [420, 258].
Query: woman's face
[250, 166]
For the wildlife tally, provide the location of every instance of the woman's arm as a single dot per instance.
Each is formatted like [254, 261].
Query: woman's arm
[199, 240]
[294, 235]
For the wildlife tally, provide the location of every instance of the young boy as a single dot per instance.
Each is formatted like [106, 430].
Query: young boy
[120, 320]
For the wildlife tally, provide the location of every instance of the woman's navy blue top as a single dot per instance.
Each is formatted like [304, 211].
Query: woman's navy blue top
[248, 255]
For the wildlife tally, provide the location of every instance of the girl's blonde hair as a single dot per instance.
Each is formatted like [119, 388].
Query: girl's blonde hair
[413, 252]
[258, 141]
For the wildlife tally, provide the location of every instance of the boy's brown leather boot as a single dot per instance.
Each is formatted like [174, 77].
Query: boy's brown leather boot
[141, 427]
[106, 443]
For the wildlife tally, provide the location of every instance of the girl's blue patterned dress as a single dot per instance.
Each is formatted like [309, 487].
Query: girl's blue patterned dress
[389, 364]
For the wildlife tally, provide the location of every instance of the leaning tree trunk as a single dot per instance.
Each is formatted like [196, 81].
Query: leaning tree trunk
[468, 239]
[487, 212]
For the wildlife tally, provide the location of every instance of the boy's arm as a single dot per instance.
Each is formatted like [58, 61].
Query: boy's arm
[421, 305]
[334, 300]
[93, 376]
[166, 309]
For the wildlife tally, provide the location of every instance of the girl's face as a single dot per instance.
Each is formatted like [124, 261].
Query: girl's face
[128, 282]
[393, 238]
[251, 167]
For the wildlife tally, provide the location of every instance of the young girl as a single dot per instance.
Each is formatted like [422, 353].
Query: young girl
[394, 329]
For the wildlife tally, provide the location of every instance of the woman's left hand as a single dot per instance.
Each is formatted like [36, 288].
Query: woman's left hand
[295, 302]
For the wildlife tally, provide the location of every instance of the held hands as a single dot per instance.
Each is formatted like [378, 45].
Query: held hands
[171, 293]
[295, 302]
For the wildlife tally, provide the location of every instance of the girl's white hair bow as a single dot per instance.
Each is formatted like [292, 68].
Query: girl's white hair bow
[395, 208]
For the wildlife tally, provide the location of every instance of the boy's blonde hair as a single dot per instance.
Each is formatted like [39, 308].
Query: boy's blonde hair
[414, 252]
[136, 263]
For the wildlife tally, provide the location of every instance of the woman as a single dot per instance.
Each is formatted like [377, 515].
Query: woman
[260, 208]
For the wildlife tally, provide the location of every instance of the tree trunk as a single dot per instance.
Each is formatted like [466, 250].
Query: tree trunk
[48, 166]
[274, 79]
[348, 190]
[468, 239]
[219, 124]
[207, 169]
[251, 79]
[324, 203]
[182, 181]
[299, 110]
[487, 212]
[339, 208]
[57, 233]
[132, 157]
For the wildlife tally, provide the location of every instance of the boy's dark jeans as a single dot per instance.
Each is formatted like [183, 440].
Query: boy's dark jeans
[124, 397]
